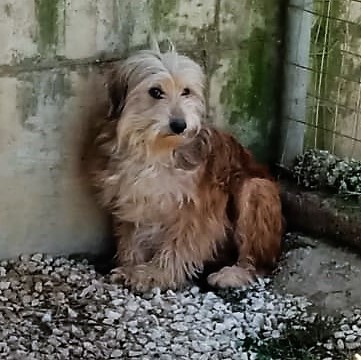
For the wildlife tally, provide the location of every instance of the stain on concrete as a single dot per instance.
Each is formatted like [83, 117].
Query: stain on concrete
[124, 22]
[40, 89]
[162, 14]
[27, 99]
[8, 9]
[47, 19]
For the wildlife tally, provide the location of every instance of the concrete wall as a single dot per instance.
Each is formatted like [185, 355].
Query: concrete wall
[52, 60]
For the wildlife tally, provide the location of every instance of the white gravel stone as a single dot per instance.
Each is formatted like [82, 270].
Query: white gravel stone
[35, 257]
[353, 345]
[339, 335]
[4, 285]
[351, 338]
[112, 315]
[2, 271]
[72, 313]
[345, 327]
[340, 344]
[181, 327]
[116, 354]
[46, 317]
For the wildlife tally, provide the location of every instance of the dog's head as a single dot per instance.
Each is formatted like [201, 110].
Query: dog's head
[157, 99]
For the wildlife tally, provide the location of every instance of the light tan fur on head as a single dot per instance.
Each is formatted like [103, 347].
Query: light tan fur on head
[179, 194]
[144, 120]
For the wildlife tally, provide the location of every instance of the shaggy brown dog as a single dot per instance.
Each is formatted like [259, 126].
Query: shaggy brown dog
[179, 190]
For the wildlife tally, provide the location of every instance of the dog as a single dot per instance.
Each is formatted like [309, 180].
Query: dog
[181, 193]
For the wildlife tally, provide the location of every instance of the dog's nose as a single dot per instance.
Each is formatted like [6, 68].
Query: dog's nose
[177, 125]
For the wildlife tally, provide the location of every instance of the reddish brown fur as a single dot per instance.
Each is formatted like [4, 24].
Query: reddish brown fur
[176, 200]
[231, 178]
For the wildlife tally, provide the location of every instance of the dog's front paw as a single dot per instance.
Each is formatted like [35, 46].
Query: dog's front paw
[119, 275]
[137, 278]
[231, 277]
[141, 278]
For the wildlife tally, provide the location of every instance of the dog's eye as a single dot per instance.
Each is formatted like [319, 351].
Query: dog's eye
[156, 93]
[186, 92]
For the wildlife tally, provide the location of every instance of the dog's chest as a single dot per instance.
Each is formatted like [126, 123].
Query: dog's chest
[153, 192]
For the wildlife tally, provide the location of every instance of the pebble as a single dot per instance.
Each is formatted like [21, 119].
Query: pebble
[179, 350]
[4, 285]
[72, 313]
[353, 345]
[179, 327]
[2, 271]
[37, 257]
[116, 354]
[340, 344]
[339, 335]
[46, 318]
[351, 338]
[112, 315]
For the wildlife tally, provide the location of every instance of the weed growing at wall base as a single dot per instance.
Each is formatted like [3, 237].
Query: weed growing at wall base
[301, 341]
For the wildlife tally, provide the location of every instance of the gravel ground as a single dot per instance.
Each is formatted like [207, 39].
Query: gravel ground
[58, 308]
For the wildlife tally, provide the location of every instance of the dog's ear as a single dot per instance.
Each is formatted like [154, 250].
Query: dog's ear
[117, 91]
[154, 44]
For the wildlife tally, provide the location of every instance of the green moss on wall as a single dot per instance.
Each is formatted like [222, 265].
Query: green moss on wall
[249, 93]
[47, 18]
[162, 14]
[8, 10]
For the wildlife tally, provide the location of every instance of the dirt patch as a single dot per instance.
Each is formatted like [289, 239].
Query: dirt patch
[328, 276]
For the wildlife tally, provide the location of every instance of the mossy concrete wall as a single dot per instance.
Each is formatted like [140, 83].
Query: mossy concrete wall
[52, 61]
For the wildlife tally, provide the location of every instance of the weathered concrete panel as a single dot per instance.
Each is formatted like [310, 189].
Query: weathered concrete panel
[44, 204]
[17, 30]
[51, 84]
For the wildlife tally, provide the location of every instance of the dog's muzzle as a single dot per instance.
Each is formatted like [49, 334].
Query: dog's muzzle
[177, 125]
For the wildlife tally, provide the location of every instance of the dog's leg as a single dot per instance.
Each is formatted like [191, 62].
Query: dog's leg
[258, 232]
[176, 260]
[128, 253]
[134, 268]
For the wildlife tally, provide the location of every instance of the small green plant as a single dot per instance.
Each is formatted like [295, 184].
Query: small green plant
[302, 338]
[301, 341]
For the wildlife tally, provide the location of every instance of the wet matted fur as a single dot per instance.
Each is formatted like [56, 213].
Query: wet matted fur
[179, 191]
